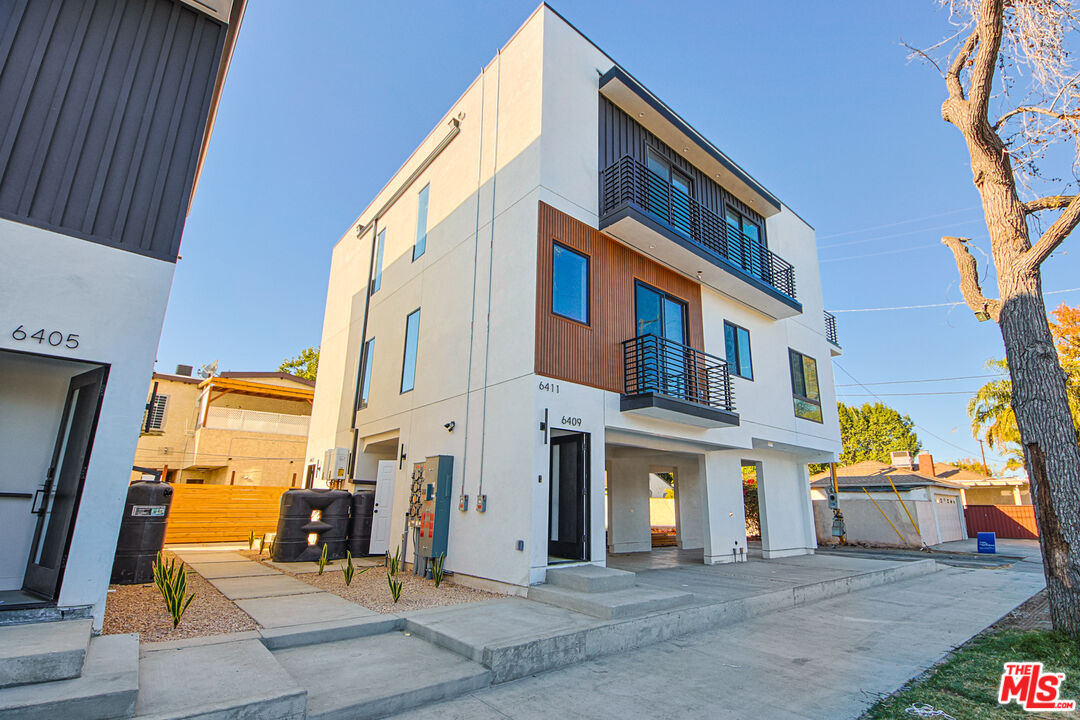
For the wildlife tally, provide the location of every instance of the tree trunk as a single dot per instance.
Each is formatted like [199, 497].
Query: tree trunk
[1050, 445]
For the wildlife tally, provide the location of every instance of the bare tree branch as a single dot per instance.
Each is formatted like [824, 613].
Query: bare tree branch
[989, 28]
[969, 279]
[924, 55]
[1051, 202]
[1033, 257]
[1030, 109]
[952, 78]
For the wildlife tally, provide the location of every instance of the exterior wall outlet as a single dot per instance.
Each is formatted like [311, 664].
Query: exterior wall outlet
[481, 503]
[463, 503]
[521, 545]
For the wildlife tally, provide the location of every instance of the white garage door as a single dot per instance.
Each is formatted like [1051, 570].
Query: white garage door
[947, 509]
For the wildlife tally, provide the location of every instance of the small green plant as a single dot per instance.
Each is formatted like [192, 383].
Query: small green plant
[171, 582]
[262, 545]
[322, 559]
[395, 587]
[350, 569]
[393, 564]
[272, 541]
[437, 572]
[251, 539]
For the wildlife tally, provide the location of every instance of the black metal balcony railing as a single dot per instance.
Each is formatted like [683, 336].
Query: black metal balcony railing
[830, 328]
[657, 365]
[629, 181]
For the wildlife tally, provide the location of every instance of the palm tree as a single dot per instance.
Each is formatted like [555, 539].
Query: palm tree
[993, 419]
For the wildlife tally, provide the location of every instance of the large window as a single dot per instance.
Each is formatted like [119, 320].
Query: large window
[365, 383]
[804, 386]
[737, 343]
[744, 243]
[669, 192]
[376, 283]
[408, 367]
[421, 224]
[569, 283]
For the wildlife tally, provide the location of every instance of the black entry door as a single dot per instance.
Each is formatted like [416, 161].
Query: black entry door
[57, 500]
[568, 517]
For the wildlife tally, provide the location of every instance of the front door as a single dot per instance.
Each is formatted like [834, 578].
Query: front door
[57, 500]
[384, 505]
[568, 515]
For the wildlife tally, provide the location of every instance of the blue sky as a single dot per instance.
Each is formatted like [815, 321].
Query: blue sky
[817, 101]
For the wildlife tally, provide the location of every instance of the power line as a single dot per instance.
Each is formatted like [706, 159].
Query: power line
[942, 392]
[934, 305]
[928, 432]
[901, 222]
[906, 382]
[906, 233]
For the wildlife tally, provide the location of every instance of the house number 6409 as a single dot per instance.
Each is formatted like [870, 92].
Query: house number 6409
[43, 336]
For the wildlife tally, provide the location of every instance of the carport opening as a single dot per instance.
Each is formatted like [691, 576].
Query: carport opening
[751, 473]
[663, 520]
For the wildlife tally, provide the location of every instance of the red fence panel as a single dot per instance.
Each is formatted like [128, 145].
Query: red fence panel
[1008, 521]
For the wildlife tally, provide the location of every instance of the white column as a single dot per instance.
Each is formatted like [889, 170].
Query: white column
[628, 504]
[724, 519]
[688, 502]
[787, 526]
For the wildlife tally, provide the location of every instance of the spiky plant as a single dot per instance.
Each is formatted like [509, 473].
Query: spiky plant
[322, 559]
[437, 572]
[251, 540]
[395, 587]
[171, 582]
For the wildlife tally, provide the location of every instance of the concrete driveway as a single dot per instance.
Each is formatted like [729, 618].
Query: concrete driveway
[830, 659]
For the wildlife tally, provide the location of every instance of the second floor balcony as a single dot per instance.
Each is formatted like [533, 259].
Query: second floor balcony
[649, 213]
[670, 381]
[254, 421]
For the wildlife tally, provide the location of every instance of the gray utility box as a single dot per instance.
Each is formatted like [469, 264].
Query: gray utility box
[430, 507]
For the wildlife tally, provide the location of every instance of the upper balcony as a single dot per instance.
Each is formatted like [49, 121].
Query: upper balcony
[255, 421]
[670, 381]
[643, 210]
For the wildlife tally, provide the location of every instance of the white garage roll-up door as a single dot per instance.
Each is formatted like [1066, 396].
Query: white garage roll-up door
[947, 511]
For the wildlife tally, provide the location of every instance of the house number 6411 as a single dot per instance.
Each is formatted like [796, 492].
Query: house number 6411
[54, 337]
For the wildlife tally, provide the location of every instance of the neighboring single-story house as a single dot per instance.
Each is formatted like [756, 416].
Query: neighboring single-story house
[903, 503]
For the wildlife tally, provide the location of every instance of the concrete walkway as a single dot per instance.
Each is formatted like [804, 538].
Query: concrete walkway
[831, 659]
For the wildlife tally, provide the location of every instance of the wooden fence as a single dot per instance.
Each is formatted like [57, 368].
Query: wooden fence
[221, 513]
[1008, 521]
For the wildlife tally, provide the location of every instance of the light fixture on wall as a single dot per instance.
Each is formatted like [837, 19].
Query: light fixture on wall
[450, 426]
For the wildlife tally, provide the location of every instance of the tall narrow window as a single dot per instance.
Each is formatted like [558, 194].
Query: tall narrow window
[408, 367]
[376, 282]
[365, 383]
[569, 283]
[804, 386]
[421, 223]
[737, 344]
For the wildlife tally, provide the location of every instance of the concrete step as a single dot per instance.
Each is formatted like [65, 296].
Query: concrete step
[219, 680]
[613, 605]
[43, 652]
[379, 675]
[106, 689]
[324, 631]
[590, 578]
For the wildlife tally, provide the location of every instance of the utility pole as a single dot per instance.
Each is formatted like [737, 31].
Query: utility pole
[986, 468]
[838, 529]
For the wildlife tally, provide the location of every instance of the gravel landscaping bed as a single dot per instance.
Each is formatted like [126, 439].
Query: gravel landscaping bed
[141, 609]
[370, 589]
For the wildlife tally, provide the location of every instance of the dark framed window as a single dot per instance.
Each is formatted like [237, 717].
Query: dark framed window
[412, 337]
[365, 383]
[665, 169]
[569, 283]
[376, 282]
[737, 344]
[421, 223]
[804, 386]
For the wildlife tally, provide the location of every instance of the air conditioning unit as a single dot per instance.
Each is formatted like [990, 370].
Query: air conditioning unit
[901, 459]
[335, 464]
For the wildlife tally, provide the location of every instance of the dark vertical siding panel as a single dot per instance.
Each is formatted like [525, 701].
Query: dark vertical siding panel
[592, 354]
[621, 135]
[103, 104]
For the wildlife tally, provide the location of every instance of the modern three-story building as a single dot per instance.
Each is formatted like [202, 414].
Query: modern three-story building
[566, 288]
[105, 115]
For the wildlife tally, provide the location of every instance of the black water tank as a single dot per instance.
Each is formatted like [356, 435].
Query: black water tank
[363, 501]
[297, 522]
[142, 532]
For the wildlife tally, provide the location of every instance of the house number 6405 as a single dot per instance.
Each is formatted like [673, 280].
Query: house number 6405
[43, 336]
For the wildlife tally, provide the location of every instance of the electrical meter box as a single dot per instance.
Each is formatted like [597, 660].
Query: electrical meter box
[335, 464]
[429, 504]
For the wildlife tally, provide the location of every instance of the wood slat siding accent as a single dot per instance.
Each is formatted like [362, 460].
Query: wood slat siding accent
[1008, 521]
[621, 135]
[103, 106]
[221, 513]
[593, 355]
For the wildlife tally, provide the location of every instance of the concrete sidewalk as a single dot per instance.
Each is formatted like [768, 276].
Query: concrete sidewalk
[831, 659]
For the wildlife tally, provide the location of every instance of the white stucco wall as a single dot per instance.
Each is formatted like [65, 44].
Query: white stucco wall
[115, 301]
